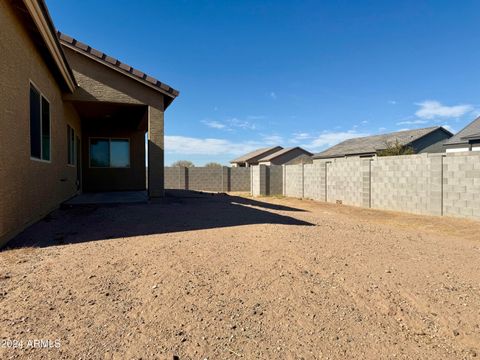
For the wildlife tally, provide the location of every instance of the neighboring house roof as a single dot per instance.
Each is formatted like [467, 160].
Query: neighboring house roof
[40, 16]
[282, 152]
[469, 132]
[255, 153]
[117, 65]
[372, 144]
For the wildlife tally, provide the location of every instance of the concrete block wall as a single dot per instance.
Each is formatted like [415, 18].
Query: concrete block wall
[366, 169]
[433, 184]
[219, 179]
[176, 178]
[275, 180]
[461, 185]
[258, 180]
[345, 181]
[293, 181]
[401, 183]
[267, 180]
[206, 179]
[411, 183]
[239, 179]
[314, 186]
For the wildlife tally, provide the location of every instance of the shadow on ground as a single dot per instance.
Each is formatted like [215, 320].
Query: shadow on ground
[178, 211]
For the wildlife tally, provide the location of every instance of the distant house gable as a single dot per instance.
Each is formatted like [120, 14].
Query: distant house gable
[253, 156]
[467, 134]
[287, 156]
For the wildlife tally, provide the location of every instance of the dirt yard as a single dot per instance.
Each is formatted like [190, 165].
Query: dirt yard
[230, 277]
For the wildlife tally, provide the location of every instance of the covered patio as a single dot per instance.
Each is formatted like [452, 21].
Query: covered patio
[113, 156]
[121, 130]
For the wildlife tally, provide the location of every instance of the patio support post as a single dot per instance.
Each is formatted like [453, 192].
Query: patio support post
[155, 153]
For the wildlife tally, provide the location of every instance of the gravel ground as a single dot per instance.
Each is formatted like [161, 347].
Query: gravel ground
[230, 277]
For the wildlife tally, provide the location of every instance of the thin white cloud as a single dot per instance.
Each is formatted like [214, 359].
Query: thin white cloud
[185, 145]
[392, 102]
[256, 117]
[214, 124]
[300, 136]
[272, 139]
[230, 124]
[273, 95]
[412, 122]
[241, 124]
[431, 109]
[210, 146]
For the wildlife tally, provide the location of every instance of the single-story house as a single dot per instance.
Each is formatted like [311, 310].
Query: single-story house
[252, 158]
[426, 140]
[287, 156]
[467, 139]
[73, 119]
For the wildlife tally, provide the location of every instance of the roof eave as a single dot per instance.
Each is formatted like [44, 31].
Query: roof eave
[471, 137]
[40, 16]
[343, 155]
[448, 132]
[328, 156]
[456, 142]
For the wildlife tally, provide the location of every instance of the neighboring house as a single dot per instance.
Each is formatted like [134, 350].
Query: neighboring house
[427, 140]
[72, 119]
[293, 155]
[467, 139]
[252, 157]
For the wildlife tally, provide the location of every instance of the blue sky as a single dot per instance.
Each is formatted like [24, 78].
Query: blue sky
[308, 73]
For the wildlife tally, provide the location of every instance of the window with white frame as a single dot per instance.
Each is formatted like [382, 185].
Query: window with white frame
[109, 153]
[40, 137]
[71, 145]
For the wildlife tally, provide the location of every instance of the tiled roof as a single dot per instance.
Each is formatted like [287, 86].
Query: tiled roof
[255, 153]
[281, 152]
[371, 144]
[472, 130]
[118, 65]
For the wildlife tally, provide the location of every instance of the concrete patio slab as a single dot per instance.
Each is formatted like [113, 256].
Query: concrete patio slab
[112, 197]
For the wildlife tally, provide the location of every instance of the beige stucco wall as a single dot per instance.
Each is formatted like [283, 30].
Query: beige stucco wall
[98, 82]
[29, 189]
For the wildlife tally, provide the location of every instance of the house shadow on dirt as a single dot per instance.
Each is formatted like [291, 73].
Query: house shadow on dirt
[178, 211]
